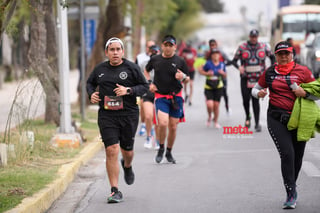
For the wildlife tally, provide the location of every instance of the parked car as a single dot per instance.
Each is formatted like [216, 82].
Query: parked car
[313, 55]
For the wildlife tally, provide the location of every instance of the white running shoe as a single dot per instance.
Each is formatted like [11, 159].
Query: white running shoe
[142, 130]
[229, 113]
[217, 126]
[156, 145]
[148, 143]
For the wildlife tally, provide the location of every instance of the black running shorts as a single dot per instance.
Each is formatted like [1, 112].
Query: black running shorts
[191, 75]
[119, 129]
[148, 97]
[213, 94]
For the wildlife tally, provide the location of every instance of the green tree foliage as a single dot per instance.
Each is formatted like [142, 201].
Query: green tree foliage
[212, 6]
[7, 8]
[186, 20]
[312, 2]
[156, 16]
[21, 17]
[177, 17]
[15, 21]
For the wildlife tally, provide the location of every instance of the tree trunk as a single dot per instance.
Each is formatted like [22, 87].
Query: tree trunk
[42, 55]
[136, 28]
[111, 24]
[114, 25]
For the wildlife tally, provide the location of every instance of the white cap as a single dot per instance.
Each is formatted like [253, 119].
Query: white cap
[113, 40]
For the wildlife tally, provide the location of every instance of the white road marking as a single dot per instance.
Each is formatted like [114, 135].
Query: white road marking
[310, 169]
[316, 155]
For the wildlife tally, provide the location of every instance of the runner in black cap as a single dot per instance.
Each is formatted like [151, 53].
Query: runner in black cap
[283, 80]
[252, 55]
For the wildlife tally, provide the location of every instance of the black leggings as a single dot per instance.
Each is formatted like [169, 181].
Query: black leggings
[226, 98]
[246, 96]
[291, 151]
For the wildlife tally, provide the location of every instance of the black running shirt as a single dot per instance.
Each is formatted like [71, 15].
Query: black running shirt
[107, 76]
[164, 73]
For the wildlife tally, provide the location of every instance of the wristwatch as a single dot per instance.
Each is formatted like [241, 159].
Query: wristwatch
[129, 91]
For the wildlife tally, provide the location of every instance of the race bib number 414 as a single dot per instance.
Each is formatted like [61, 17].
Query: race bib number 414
[113, 102]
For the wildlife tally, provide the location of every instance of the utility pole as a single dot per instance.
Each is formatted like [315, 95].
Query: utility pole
[128, 38]
[67, 137]
[65, 117]
[82, 68]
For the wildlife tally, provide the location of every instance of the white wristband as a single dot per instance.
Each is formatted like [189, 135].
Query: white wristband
[254, 92]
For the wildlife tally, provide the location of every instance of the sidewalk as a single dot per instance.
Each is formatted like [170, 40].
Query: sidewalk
[42, 200]
[30, 88]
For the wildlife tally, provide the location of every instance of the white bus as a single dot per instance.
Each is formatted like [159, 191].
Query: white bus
[295, 22]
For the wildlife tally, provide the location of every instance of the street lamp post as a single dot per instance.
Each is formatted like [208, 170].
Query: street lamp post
[82, 68]
[67, 137]
[65, 117]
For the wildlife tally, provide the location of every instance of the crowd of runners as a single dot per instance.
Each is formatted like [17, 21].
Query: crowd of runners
[154, 90]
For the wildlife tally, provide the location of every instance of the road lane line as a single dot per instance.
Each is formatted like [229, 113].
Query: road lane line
[310, 169]
[316, 155]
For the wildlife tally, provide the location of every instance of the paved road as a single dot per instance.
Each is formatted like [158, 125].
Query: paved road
[29, 100]
[214, 172]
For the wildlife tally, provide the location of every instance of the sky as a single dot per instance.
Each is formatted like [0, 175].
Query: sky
[228, 28]
[254, 7]
[229, 37]
[267, 7]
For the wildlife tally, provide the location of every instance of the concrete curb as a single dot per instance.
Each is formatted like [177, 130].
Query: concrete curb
[42, 200]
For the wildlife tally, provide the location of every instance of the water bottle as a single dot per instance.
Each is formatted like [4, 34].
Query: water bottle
[294, 86]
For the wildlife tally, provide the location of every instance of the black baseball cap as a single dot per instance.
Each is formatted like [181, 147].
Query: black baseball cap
[214, 50]
[212, 41]
[169, 38]
[283, 46]
[154, 48]
[254, 32]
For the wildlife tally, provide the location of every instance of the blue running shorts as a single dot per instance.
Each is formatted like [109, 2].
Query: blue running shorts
[165, 105]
